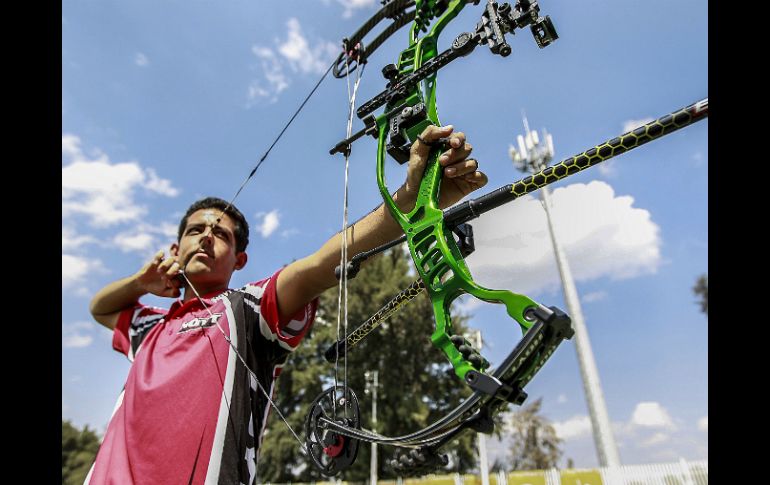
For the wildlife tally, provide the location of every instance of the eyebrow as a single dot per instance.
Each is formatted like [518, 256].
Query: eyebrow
[198, 225]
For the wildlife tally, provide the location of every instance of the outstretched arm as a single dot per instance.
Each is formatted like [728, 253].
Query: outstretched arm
[307, 278]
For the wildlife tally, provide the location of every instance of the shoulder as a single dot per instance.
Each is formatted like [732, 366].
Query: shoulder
[133, 325]
[261, 297]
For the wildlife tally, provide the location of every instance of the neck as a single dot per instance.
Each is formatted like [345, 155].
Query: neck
[202, 290]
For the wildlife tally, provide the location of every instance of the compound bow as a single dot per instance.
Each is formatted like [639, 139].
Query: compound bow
[410, 106]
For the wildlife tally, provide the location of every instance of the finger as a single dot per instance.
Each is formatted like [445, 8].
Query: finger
[478, 179]
[166, 264]
[156, 260]
[430, 134]
[172, 292]
[174, 282]
[462, 168]
[455, 154]
[457, 140]
[173, 270]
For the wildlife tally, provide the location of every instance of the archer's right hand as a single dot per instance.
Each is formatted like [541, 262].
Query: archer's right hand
[159, 276]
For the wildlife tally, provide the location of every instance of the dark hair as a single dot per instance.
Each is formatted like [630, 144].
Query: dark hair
[241, 226]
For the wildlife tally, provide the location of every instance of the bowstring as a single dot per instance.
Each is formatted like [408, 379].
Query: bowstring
[342, 298]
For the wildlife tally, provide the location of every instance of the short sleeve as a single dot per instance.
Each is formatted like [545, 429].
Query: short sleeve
[289, 333]
[133, 325]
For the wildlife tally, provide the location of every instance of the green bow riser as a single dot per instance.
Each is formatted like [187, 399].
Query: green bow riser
[434, 250]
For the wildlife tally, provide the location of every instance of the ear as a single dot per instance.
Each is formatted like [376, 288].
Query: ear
[174, 249]
[240, 260]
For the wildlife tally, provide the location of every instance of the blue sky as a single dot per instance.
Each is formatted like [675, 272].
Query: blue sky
[165, 102]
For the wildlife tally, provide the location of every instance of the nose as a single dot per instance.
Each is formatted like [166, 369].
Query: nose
[207, 236]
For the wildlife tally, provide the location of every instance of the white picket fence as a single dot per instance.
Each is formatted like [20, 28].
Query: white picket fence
[677, 473]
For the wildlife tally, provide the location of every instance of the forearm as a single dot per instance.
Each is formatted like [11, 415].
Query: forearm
[116, 296]
[307, 278]
[376, 228]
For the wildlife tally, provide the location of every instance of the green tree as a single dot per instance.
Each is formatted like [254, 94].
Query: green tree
[417, 385]
[535, 444]
[78, 450]
[701, 290]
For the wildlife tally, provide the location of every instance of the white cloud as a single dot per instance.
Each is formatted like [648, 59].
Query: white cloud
[633, 124]
[352, 5]
[703, 423]
[594, 296]
[71, 240]
[168, 229]
[602, 234]
[74, 269]
[70, 145]
[573, 428]
[651, 415]
[301, 55]
[561, 399]
[104, 191]
[465, 303]
[133, 242]
[77, 335]
[272, 71]
[141, 60]
[655, 439]
[146, 239]
[270, 223]
[608, 168]
[158, 185]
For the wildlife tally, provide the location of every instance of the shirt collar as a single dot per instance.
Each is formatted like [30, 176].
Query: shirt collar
[194, 303]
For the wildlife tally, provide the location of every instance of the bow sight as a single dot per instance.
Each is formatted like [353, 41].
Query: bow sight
[496, 21]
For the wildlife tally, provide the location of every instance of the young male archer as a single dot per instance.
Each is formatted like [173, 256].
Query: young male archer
[196, 398]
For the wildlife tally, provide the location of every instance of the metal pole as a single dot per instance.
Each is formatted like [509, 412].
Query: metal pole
[533, 156]
[483, 463]
[373, 464]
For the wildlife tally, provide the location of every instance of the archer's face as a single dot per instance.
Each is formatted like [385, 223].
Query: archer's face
[208, 249]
